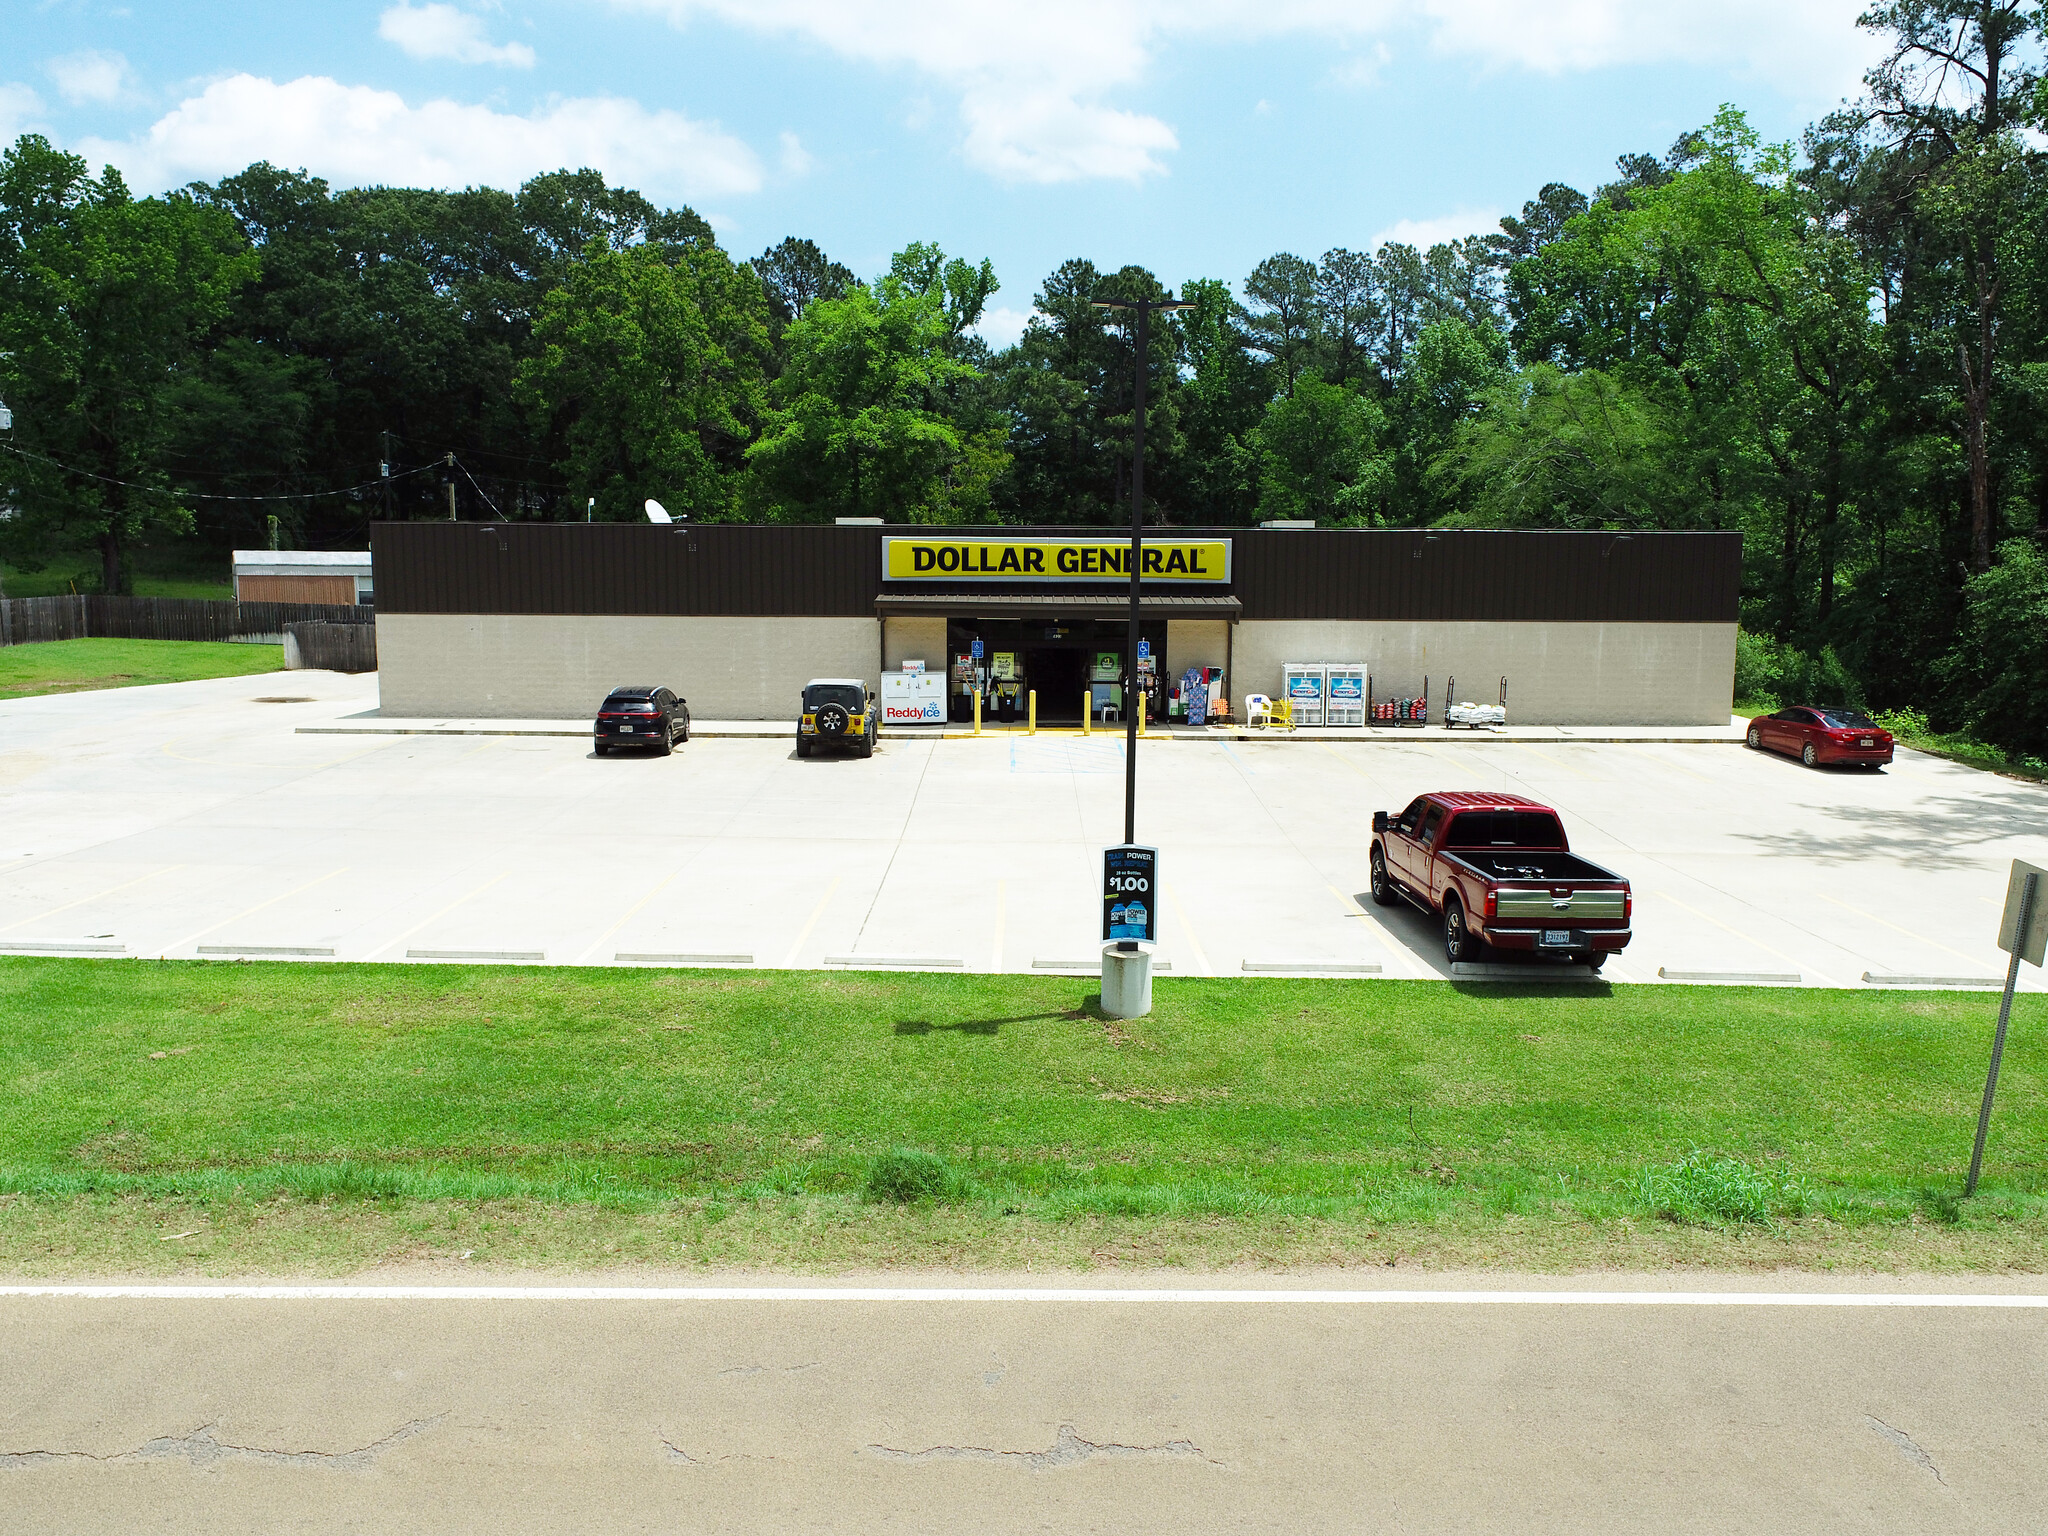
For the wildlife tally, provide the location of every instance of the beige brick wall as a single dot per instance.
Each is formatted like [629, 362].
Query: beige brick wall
[560, 667]
[1199, 643]
[1558, 674]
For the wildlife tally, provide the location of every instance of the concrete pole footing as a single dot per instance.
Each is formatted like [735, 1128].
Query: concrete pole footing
[1126, 982]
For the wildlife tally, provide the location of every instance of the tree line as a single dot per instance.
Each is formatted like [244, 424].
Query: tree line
[1838, 347]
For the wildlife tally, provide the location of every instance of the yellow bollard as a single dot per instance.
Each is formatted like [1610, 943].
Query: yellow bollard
[1087, 712]
[1031, 713]
[1142, 697]
[977, 711]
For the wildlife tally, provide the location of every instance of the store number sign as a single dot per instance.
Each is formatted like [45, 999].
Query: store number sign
[1130, 893]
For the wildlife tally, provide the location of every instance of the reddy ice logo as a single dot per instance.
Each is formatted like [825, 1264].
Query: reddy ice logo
[927, 712]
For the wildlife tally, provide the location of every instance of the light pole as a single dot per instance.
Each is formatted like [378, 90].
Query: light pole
[1145, 309]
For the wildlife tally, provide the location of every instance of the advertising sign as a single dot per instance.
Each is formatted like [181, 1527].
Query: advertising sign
[1130, 893]
[913, 698]
[1004, 667]
[1025, 559]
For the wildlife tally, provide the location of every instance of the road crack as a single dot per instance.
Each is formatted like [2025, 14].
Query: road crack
[1068, 1450]
[204, 1448]
[1908, 1447]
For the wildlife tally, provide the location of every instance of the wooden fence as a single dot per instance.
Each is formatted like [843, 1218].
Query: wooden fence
[331, 647]
[26, 620]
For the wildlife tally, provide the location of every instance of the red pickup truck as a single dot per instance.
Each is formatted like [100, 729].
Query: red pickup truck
[1498, 871]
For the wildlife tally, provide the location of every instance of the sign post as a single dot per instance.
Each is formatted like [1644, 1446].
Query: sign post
[1130, 918]
[2022, 933]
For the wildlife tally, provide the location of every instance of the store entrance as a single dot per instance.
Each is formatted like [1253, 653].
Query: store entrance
[1059, 674]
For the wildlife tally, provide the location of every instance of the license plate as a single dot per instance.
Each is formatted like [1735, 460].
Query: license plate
[1867, 741]
[1556, 936]
[625, 730]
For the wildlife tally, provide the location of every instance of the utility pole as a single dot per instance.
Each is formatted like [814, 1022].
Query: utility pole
[384, 469]
[448, 479]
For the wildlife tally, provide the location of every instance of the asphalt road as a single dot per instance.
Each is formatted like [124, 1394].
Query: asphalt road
[190, 819]
[1180, 1414]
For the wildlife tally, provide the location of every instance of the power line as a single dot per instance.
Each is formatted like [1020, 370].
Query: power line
[479, 489]
[157, 490]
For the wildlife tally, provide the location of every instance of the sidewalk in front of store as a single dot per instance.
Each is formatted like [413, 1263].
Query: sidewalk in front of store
[372, 723]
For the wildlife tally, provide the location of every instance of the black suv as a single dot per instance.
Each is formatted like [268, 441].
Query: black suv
[641, 717]
[837, 712]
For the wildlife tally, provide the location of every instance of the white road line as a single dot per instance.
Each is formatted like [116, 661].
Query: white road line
[953, 1294]
[83, 900]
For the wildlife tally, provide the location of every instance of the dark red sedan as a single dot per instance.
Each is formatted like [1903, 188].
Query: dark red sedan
[1819, 736]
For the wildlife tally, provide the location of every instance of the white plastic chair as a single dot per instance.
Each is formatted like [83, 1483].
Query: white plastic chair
[1258, 709]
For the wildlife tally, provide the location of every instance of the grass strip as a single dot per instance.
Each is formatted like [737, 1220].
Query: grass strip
[77, 666]
[1244, 1119]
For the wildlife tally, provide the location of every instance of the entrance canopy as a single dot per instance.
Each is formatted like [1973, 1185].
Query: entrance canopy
[1098, 605]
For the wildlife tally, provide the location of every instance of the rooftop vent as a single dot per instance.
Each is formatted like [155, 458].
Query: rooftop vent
[1286, 522]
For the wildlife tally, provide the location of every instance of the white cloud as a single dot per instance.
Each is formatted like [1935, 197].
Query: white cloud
[1423, 233]
[1001, 328]
[1035, 80]
[795, 158]
[20, 108]
[89, 76]
[442, 32]
[355, 135]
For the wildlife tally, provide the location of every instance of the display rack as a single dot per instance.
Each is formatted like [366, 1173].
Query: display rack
[1410, 714]
[1451, 706]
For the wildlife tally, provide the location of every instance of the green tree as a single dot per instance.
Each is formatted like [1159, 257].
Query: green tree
[105, 300]
[1320, 454]
[649, 366]
[859, 425]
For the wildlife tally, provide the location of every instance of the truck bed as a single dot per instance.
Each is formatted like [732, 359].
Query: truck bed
[1533, 864]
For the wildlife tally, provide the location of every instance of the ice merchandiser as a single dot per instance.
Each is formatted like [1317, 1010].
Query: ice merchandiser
[1302, 683]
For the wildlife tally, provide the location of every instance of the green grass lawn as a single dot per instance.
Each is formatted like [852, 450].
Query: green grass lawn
[332, 1115]
[72, 666]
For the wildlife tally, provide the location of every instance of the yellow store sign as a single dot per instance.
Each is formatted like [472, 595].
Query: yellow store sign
[1024, 559]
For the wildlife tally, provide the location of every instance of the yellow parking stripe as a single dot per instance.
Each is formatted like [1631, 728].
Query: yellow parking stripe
[1909, 933]
[1799, 965]
[436, 917]
[202, 933]
[85, 900]
[816, 912]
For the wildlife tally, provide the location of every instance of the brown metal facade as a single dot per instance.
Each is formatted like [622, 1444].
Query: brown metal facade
[722, 569]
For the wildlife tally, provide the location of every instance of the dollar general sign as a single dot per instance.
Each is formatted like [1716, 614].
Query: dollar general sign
[1205, 561]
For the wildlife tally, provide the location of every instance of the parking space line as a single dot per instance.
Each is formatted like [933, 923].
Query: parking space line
[1920, 938]
[1799, 965]
[816, 912]
[1002, 910]
[86, 900]
[1666, 760]
[436, 917]
[1560, 762]
[627, 916]
[1188, 927]
[215, 928]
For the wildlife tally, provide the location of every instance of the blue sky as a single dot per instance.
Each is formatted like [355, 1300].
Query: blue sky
[1195, 137]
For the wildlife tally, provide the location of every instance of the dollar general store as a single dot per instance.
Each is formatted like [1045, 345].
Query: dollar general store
[528, 620]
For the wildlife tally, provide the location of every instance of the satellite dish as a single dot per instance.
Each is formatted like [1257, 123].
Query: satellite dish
[656, 512]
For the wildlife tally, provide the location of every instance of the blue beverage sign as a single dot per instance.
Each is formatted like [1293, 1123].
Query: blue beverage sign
[1130, 893]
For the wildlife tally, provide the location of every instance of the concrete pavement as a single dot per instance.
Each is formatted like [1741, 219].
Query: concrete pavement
[1210, 1413]
[193, 820]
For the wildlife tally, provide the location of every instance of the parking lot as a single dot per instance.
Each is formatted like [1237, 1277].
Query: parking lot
[192, 819]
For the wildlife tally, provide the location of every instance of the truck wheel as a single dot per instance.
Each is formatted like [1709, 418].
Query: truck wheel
[1460, 947]
[1596, 959]
[1382, 885]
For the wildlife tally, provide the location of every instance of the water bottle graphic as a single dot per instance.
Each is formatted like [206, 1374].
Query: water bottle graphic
[1129, 922]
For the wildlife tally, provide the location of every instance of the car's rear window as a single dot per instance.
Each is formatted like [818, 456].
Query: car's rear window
[1505, 829]
[629, 706]
[818, 695]
[1848, 719]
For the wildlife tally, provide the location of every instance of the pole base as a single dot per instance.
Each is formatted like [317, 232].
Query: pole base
[1126, 982]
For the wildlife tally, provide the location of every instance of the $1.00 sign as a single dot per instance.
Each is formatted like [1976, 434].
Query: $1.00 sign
[1130, 893]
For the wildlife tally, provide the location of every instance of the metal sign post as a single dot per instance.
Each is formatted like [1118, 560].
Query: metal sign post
[2022, 933]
